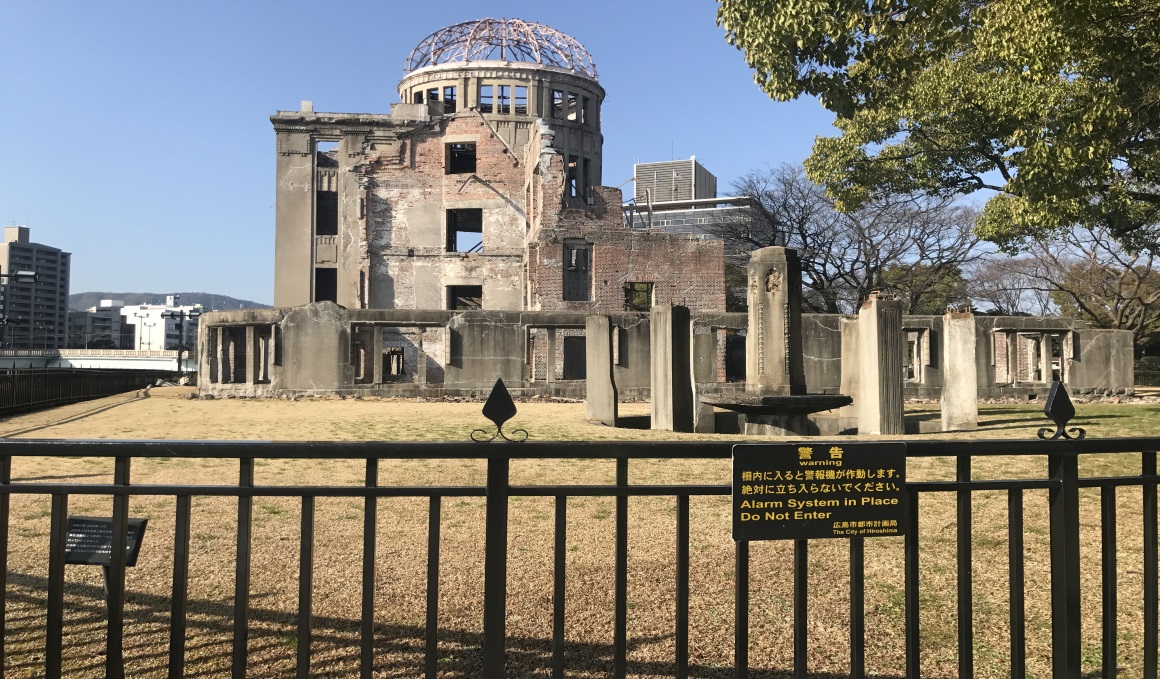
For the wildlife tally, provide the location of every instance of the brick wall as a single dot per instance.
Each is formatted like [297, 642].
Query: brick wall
[683, 269]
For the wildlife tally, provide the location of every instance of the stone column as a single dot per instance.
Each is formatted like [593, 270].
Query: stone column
[673, 400]
[851, 373]
[773, 341]
[377, 354]
[600, 395]
[251, 355]
[881, 356]
[960, 391]
[421, 360]
[550, 357]
[225, 375]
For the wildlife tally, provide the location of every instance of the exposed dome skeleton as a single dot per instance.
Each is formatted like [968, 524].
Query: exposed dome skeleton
[502, 40]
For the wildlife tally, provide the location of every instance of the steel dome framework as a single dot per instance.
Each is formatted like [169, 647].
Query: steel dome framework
[502, 40]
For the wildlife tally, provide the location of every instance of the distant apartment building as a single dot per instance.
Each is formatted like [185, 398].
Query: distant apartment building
[100, 327]
[35, 312]
[162, 326]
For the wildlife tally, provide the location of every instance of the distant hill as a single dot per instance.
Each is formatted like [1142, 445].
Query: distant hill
[210, 302]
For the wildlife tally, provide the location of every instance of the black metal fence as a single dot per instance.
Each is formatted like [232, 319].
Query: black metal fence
[1147, 378]
[27, 389]
[1061, 480]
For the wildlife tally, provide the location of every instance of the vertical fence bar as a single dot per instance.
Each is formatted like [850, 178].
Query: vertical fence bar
[1015, 568]
[1148, 470]
[305, 587]
[180, 588]
[558, 575]
[367, 625]
[54, 622]
[1064, 525]
[620, 613]
[242, 568]
[495, 568]
[431, 656]
[857, 608]
[910, 569]
[5, 479]
[964, 562]
[1108, 576]
[741, 610]
[801, 586]
[682, 612]
[114, 640]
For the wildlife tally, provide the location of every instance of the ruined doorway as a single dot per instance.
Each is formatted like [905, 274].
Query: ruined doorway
[575, 361]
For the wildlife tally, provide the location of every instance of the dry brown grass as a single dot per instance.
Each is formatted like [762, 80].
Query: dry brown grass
[402, 551]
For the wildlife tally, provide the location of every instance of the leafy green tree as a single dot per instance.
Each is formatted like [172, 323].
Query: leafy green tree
[1054, 107]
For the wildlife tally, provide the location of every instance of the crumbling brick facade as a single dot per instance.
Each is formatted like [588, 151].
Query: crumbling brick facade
[466, 196]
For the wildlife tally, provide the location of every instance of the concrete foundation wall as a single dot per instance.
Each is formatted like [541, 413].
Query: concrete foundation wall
[325, 348]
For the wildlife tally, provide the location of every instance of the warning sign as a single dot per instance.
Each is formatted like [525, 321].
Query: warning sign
[795, 491]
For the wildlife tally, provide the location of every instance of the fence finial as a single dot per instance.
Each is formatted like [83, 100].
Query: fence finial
[1060, 410]
[499, 408]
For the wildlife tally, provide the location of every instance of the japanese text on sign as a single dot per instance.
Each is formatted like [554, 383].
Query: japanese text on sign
[796, 491]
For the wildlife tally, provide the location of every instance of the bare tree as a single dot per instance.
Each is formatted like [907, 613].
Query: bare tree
[1004, 284]
[1090, 275]
[912, 245]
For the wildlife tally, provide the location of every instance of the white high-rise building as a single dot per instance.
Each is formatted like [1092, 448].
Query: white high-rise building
[155, 328]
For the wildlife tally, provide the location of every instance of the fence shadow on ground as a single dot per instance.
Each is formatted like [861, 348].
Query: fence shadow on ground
[399, 649]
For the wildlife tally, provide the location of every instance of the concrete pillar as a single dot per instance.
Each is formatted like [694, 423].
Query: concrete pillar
[377, 353]
[251, 355]
[960, 391]
[773, 341]
[421, 361]
[225, 375]
[673, 398]
[851, 372]
[881, 357]
[601, 394]
[550, 361]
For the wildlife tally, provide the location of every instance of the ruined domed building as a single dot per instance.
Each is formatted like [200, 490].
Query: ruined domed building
[479, 192]
[466, 236]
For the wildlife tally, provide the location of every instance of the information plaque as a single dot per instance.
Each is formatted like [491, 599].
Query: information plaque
[90, 540]
[796, 490]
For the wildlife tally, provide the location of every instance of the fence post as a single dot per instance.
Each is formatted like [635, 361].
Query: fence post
[1063, 498]
[495, 568]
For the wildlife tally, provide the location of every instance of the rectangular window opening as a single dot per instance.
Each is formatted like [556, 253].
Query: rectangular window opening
[521, 100]
[504, 100]
[557, 103]
[464, 297]
[573, 107]
[418, 97]
[460, 158]
[577, 272]
[465, 230]
[584, 110]
[433, 94]
[485, 99]
[449, 99]
[638, 296]
[575, 363]
[325, 285]
[326, 213]
[326, 153]
[393, 364]
[571, 188]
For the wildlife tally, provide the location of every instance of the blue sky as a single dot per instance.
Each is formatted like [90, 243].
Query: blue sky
[136, 135]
